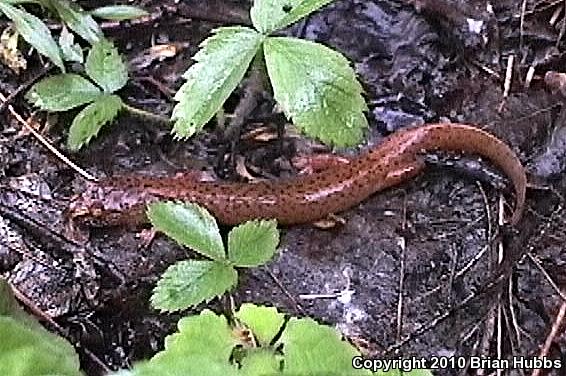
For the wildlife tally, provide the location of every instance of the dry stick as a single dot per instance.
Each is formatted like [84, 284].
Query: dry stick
[146, 114]
[499, 334]
[541, 9]
[298, 307]
[562, 28]
[495, 317]
[44, 316]
[24, 87]
[46, 143]
[553, 332]
[34, 308]
[547, 276]
[458, 274]
[501, 257]
[522, 23]
[403, 245]
[514, 319]
[508, 80]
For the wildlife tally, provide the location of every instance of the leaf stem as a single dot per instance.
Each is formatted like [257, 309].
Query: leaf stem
[146, 114]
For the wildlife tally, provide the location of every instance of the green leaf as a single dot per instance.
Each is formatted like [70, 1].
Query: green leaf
[62, 92]
[314, 349]
[189, 225]
[190, 282]
[185, 366]
[264, 322]
[317, 88]
[91, 119]
[10, 307]
[207, 333]
[220, 65]
[35, 32]
[26, 347]
[106, 67]
[119, 12]
[202, 346]
[253, 243]
[25, 352]
[77, 19]
[260, 362]
[270, 15]
[71, 51]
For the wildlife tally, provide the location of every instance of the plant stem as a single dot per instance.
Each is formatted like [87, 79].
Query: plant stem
[146, 114]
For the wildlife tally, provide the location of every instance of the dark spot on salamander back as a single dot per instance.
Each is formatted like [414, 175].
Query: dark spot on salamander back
[287, 8]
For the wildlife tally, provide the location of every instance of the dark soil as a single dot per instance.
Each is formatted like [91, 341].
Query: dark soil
[420, 259]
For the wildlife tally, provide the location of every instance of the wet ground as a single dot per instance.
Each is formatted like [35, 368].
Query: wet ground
[413, 271]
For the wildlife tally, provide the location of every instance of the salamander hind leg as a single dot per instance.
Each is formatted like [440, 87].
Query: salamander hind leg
[309, 164]
[403, 172]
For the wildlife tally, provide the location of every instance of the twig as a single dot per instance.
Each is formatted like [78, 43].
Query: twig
[46, 143]
[146, 114]
[514, 319]
[298, 307]
[458, 274]
[402, 244]
[44, 316]
[553, 332]
[499, 334]
[508, 80]
[253, 88]
[553, 284]
[33, 307]
[522, 24]
[562, 28]
[24, 87]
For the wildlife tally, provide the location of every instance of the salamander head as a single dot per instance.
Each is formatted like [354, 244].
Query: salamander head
[105, 205]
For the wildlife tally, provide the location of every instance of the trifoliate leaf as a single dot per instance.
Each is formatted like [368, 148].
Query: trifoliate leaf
[106, 67]
[119, 12]
[77, 19]
[313, 349]
[190, 282]
[253, 243]
[189, 225]
[91, 119]
[317, 88]
[264, 322]
[270, 15]
[35, 32]
[71, 51]
[62, 92]
[260, 362]
[220, 65]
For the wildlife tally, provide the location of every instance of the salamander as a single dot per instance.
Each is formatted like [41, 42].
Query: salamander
[304, 198]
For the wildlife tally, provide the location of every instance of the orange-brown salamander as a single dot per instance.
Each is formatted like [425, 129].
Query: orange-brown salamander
[304, 198]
